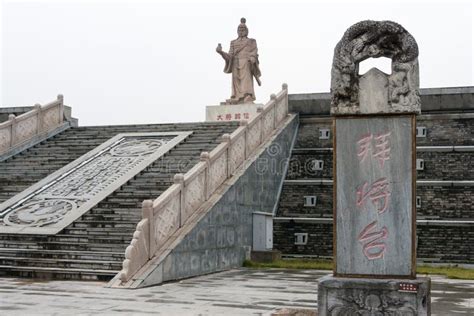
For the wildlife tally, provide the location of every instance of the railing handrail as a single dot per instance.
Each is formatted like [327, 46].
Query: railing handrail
[215, 172]
[238, 132]
[173, 190]
[194, 172]
[12, 137]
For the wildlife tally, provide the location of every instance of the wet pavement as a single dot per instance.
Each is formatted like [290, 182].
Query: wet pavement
[236, 292]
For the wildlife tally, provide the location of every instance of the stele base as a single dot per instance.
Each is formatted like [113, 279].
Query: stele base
[361, 296]
[237, 112]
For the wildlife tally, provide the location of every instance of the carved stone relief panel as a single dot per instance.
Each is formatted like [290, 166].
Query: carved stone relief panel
[166, 221]
[280, 109]
[394, 297]
[25, 129]
[375, 39]
[194, 195]
[237, 153]
[268, 121]
[5, 139]
[51, 118]
[59, 199]
[362, 302]
[253, 137]
[217, 172]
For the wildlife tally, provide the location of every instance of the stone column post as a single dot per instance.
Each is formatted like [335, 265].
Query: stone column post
[13, 136]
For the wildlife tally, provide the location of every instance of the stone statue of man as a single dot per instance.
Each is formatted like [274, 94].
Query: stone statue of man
[242, 62]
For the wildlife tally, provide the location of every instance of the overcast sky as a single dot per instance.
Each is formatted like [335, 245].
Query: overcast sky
[155, 61]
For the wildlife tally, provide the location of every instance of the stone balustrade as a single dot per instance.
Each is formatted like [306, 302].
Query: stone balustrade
[170, 211]
[20, 129]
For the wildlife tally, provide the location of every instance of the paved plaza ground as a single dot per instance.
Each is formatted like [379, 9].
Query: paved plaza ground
[236, 292]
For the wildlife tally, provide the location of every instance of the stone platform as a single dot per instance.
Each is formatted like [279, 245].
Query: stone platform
[351, 296]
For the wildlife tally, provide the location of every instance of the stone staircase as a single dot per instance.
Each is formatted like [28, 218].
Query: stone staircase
[93, 246]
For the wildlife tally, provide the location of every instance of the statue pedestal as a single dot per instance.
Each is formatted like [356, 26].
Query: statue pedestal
[237, 112]
[354, 296]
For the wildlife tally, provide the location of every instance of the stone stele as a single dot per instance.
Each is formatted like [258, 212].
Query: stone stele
[374, 220]
[242, 62]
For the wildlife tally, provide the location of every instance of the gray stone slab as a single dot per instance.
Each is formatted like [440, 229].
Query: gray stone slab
[374, 196]
[373, 92]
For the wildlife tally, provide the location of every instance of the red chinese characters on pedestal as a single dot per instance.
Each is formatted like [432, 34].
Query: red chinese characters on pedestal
[378, 192]
[235, 116]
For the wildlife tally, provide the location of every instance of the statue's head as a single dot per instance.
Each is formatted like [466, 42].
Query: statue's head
[242, 30]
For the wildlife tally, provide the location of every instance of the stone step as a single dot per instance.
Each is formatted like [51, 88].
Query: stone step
[85, 246]
[73, 239]
[100, 209]
[103, 224]
[96, 242]
[99, 231]
[104, 239]
[60, 263]
[57, 273]
[19, 244]
[62, 254]
[126, 217]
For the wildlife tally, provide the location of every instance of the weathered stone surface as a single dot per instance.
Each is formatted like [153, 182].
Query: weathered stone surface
[373, 92]
[56, 201]
[374, 39]
[343, 296]
[374, 196]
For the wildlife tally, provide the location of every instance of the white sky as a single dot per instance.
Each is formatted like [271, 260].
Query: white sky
[155, 61]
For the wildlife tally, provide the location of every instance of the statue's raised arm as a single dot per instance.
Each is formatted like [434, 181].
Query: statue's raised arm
[222, 53]
[242, 62]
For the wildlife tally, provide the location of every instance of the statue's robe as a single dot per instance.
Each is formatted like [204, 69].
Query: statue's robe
[243, 71]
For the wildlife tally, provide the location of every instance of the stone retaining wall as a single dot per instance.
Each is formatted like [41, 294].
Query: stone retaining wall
[441, 130]
[219, 234]
[437, 201]
[448, 116]
[436, 242]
